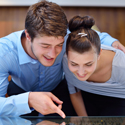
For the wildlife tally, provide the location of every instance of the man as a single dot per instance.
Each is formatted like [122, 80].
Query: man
[33, 58]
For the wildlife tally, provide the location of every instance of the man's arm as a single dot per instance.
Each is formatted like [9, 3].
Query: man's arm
[14, 105]
[20, 104]
[118, 45]
[106, 39]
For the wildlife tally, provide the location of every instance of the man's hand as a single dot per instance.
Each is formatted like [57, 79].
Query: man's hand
[118, 45]
[43, 102]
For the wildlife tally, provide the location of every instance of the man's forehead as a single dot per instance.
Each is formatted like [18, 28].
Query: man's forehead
[50, 40]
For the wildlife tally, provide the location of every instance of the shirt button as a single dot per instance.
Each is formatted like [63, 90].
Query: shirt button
[41, 73]
[41, 81]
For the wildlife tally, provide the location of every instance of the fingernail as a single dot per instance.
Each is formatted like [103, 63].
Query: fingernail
[63, 116]
[63, 123]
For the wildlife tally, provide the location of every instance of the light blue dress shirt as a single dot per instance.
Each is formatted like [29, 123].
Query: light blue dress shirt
[28, 73]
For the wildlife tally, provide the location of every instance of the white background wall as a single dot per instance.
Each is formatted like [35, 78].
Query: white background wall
[98, 3]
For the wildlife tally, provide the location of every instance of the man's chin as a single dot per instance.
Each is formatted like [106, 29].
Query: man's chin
[47, 64]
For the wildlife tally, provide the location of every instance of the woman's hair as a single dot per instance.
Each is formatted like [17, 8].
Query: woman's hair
[82, 38]
[46, 18]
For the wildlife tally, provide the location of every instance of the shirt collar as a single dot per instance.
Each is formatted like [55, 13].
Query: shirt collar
[23, 56]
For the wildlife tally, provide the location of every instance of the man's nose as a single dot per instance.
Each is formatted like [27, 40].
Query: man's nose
[52, 53]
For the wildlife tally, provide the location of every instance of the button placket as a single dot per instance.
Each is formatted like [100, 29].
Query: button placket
[42, 68]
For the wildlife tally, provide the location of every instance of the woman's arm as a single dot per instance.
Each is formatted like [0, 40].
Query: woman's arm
[78, 104]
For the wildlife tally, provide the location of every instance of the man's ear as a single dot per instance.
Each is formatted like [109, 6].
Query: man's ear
[27, 36]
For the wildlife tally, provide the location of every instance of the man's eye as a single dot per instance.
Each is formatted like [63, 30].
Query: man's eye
[45, 46]
[60, 45]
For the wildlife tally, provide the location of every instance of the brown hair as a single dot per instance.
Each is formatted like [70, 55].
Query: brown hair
[46, 18]
[81, 43]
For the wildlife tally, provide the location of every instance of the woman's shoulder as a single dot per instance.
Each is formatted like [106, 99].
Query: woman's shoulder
[119, 58]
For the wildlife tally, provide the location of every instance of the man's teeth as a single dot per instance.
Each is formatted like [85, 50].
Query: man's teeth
[48, 58]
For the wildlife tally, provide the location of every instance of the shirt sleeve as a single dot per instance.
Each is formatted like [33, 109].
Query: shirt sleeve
[14, 105]
[106, 39]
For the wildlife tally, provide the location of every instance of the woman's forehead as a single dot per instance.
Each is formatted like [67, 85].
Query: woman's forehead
[85, 57]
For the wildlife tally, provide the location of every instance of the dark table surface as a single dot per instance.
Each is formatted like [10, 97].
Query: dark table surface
[69, 120]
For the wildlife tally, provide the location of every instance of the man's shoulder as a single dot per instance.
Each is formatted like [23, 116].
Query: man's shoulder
[11, 37]
[9, 43]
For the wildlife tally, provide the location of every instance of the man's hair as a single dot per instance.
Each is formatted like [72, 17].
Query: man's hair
[46, 18]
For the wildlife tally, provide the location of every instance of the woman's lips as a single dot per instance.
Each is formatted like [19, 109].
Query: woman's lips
[81, 76]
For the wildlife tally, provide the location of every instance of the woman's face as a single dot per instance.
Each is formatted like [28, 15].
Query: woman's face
[82, 65]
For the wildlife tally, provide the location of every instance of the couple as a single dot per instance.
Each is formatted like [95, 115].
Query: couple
[33, 58]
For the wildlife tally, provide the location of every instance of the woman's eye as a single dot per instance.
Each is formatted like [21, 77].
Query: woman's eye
[73, 64]
[88, 64]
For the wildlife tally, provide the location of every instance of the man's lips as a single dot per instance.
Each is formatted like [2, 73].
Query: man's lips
[48, 58]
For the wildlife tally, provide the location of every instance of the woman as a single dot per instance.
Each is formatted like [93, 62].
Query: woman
[95, 73]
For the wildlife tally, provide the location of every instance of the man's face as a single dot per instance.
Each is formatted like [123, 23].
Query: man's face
[46, 49]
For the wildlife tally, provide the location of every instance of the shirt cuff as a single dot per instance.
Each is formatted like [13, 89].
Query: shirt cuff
[110, 42]
[105, 38]
[22, 103]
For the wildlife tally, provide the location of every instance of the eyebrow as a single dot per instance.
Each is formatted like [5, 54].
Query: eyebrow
[89, 62]
[85, 63]
[73, 62]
